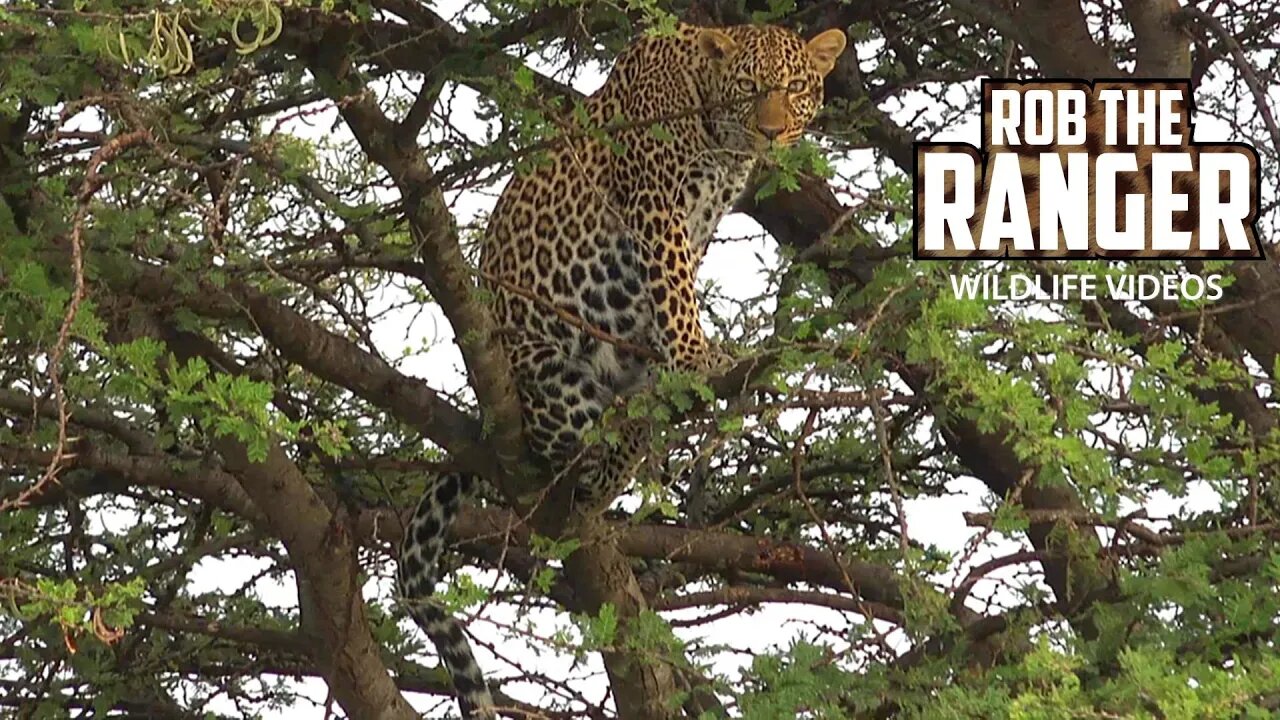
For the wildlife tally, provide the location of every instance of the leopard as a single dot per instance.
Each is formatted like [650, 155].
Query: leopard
[609, 228]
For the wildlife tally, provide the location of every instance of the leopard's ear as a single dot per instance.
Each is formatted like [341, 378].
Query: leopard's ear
[715, 44]
[825, 48]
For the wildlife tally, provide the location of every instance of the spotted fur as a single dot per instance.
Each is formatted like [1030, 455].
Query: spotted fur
[613, 232]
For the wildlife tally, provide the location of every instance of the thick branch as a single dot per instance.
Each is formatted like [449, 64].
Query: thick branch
[449, 278]
[325, 354]
[1163, 50]
[876, 584]
[114, 472]
[18, 403]
[1058, 38]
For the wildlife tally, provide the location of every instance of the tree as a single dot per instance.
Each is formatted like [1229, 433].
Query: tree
[218, 217]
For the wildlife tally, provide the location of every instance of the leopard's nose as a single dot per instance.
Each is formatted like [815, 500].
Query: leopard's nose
[771, 132]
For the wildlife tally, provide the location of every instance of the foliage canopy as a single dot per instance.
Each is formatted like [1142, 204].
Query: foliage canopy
[236, 331]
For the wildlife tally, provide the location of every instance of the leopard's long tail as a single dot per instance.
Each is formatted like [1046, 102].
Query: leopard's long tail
[418, 572]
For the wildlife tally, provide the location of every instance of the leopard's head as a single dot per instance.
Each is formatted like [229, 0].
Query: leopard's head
[766, 82]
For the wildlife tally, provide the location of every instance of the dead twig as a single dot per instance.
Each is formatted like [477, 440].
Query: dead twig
[93, 182]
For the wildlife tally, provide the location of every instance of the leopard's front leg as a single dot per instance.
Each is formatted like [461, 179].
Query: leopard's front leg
[667, 259]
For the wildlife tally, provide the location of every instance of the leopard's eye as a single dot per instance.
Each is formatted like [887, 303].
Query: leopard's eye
[747, 85]
[795, 87]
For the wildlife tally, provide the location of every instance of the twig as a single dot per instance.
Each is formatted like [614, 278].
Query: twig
[1125, 523]
[745, 596]
[895, 492]
[1247, 72]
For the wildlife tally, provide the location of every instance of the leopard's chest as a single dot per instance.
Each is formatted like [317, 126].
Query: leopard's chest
[707, 195]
